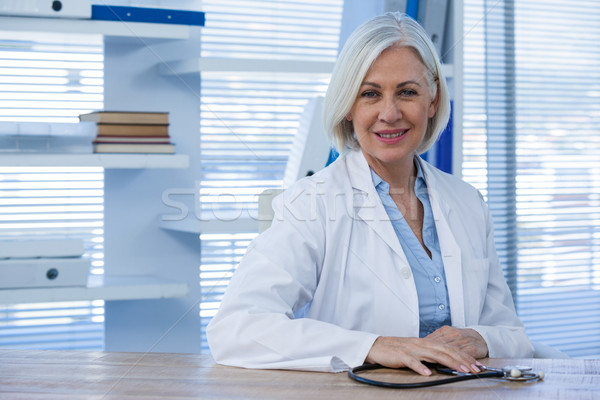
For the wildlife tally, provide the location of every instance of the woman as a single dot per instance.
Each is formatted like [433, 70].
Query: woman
[380, 257]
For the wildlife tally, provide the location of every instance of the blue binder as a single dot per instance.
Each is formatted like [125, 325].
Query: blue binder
[143, 14]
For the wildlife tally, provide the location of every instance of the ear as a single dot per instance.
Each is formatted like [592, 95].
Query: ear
[349, 117]
[435, 102]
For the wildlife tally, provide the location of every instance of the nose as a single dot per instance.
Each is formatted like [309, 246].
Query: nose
[390, 111]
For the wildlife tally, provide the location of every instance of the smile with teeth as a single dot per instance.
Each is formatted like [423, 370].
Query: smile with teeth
[391, 135]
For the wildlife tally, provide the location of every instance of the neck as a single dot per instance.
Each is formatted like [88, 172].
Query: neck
[400, 176]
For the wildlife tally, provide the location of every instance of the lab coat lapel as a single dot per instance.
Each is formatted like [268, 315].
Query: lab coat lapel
[451, 254]
[367, 205]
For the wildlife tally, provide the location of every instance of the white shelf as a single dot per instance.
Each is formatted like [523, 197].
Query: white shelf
[100, 288]
[243, 224]
[136, 30]
[198, 65]
[95, 160]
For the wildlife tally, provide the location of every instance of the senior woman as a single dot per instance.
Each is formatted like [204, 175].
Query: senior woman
[380, 257]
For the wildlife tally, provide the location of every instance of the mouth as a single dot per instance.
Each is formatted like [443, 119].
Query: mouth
[391, 134]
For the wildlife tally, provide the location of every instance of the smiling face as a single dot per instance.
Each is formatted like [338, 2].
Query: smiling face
[393, 106]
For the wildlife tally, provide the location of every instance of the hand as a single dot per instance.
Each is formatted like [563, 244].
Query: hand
[396, 352]
[467, 340]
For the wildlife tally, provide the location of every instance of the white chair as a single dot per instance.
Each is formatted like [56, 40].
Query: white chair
[311, 147]
[309, 154]
[541, 350]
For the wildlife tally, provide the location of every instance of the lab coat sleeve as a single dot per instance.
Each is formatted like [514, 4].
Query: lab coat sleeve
[499, 325]
[255, 326]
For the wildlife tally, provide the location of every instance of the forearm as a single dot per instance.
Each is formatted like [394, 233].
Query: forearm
[272, 342]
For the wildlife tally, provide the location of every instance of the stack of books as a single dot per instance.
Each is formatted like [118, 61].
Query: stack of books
[130, 132]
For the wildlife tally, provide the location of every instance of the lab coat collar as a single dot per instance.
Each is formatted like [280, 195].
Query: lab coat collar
[367, 205]
[359, 172]
[432, 182]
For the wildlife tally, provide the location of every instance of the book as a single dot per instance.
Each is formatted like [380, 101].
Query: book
[125, 130]
[44, 272]
[134, 148]
[146, 14]
[126, 117]
[26, 248]
[132, 139]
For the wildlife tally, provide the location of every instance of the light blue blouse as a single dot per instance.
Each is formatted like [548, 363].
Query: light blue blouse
[428, 273]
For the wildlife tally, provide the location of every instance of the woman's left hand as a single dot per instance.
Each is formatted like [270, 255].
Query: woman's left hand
[467, 340]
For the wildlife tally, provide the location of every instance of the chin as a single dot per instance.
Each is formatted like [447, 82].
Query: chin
[394, 156]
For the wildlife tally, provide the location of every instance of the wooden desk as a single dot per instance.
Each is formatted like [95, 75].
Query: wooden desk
[30, 374]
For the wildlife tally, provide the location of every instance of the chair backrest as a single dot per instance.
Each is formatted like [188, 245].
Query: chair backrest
[542, 350]
[310, 153]
[311, 147]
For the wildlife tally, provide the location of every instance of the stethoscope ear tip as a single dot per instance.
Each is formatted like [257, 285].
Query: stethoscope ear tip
[515, 373]
[541, 375]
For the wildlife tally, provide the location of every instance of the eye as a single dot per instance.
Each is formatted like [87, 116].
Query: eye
[408, 92]
[368, 94]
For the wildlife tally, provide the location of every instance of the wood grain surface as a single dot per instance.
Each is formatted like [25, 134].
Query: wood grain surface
[65, 375]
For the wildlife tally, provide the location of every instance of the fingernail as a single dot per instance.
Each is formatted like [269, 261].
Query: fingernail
[478, 363]
[426, 371]
[475, 368]
[464, 368]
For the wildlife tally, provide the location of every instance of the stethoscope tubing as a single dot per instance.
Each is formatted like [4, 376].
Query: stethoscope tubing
[354, 374]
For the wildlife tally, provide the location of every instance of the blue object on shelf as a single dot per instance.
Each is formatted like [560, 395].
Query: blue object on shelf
[441, 156]
[333, 155]
[444, 143]
[145, 14]
[412, 8]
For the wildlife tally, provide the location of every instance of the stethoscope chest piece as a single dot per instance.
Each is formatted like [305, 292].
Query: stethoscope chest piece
[519, 373]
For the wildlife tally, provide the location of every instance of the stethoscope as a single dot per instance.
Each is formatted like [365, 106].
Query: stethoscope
[508, 373]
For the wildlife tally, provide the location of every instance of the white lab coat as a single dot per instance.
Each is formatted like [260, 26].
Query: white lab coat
[315, 290]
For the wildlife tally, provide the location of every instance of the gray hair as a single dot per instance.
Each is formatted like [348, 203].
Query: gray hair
[362, 48]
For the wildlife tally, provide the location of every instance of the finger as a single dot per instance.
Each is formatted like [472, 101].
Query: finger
[418, 367]
[451, 357]
[451, 362]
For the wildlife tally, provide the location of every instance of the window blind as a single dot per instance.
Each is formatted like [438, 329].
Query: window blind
[248, 119]
[531, 145]
[48, 78]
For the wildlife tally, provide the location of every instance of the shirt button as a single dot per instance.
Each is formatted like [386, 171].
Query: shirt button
[405, 273]
[442, 307]
[437, 279]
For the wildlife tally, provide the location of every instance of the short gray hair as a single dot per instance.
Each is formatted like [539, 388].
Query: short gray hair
[362, 48]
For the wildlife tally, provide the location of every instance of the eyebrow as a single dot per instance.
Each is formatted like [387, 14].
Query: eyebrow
[378, 86]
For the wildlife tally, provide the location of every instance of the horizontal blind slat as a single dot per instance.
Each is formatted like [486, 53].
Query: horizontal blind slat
[45, 81]
[553, 101]
[248, 121]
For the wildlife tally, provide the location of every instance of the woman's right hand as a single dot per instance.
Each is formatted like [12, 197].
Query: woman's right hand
[397, 352]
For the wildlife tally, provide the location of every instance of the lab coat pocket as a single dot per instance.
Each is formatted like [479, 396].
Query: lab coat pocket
[475, 278]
